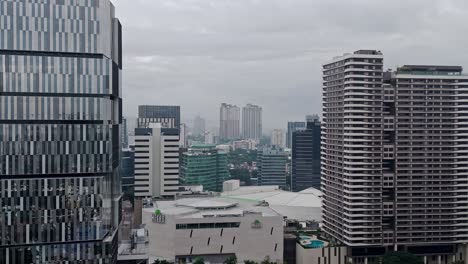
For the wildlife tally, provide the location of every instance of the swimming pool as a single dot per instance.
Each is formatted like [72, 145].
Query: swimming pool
[310, 242]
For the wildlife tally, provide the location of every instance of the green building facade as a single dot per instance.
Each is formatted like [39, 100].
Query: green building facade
[204, 165]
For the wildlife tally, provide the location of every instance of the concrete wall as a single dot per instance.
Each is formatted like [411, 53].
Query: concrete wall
[333, 255]
[249, 243]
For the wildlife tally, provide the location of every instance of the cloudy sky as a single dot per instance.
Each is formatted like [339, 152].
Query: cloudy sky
[200, 53]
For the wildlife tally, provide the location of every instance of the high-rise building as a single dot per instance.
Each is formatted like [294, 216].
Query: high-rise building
[124, 133]
[229, 122]
[166, 115]
[183, 130]
[278, 138]
[271, 162]
[252, 122]
[199, 126]
[393, 157]
[204, 165]
[293, 126]
[156, 161]
[60, 66]
[305, 160]
[127, 172]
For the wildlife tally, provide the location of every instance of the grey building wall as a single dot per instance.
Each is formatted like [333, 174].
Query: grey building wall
[305, 161]
[272, 166]
[293, 126]
[167, 115]
[60, 65]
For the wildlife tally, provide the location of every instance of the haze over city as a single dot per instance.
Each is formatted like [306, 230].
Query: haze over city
[200, 53]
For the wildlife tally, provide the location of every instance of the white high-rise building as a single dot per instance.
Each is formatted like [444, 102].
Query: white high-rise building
[156, 161]
[252, 122]
[229, 122]
[278, 138]
[394, 158]
[183, 142]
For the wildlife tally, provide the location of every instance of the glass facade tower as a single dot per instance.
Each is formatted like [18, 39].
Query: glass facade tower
[60, 115]
[204, 165]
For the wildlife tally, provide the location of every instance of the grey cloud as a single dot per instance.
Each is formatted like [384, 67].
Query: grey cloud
[199, 53]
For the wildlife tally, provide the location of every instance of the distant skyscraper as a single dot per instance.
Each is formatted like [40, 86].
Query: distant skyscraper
[252, 122]
[278, 138]
[60, 140]
[272, 166]
[293, 126]
[156, 161]
[124, 133]
[167, 116]
[204, 165]
[210, 138]
[394, 168]
[183, 143]
[305, 171]
[229, 122]
[199, 126]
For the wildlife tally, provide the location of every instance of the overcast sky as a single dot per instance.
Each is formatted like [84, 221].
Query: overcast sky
[200, 53]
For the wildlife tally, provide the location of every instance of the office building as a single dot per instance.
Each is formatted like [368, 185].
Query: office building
[252, 122]
[127, 172]
[199, 126]
[204, 165]
[246, 144]
[229, 122]
[393, 151]
[272, 166]
[156, 161]
[293, 126]
[59, 134]
[166, 115]
[305, 160]
[213, 229]
[278, 138]
[124, 133]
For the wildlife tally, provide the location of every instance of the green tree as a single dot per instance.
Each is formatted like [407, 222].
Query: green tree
[250, 262]
[231, 260]
[459, 262]
[400, 257]
[198, 260]
[267, 261]
[158, 261]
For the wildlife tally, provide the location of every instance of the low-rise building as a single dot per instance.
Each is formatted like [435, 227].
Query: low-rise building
[247, 144]
[214, 229]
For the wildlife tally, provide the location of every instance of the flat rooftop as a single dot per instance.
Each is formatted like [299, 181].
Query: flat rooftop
[209, 207]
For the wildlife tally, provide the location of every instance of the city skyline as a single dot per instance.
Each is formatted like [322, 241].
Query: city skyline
[212, 53]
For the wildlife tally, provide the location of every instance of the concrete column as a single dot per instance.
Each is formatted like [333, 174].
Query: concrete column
[439, 259]
[365, 260]
[425, 259]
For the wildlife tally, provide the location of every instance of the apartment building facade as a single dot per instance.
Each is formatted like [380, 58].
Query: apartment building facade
[394, 171]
